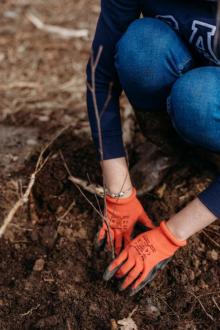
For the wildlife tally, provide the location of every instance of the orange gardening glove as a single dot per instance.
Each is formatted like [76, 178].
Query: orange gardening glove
[140, 261]
[122, 215]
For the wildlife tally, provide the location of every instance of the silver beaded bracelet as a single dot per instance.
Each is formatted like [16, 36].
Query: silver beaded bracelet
[117, 195]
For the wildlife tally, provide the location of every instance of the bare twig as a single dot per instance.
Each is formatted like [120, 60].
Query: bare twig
[211, 239]
[96, 197]
[209, 294]
[67, 211]
[20, 84]
[133, 311]
[216, 304]
[203, 307]
[92, 87]
[19, 227]
[172, 310]
[107, 100]
[68, 325]
[212, 231]
[77, 186]
[60, 31]
[76, 183]
[98, 115]
[82, 193]
[24, 199]
[30, 311]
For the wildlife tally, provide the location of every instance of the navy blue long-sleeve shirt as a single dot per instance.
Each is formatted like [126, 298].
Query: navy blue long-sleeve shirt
[192, 19]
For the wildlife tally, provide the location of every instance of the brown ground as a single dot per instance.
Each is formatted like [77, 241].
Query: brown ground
[50, 275]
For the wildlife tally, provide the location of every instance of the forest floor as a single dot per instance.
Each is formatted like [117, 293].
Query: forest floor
[50, 274]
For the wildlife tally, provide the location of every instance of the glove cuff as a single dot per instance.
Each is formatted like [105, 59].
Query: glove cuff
[170, 236]
[122, 201]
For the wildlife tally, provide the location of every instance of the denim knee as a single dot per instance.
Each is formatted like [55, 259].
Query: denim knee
[150, 56]
[194, 107]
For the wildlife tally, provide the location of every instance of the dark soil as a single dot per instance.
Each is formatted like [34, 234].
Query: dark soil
[50, 273]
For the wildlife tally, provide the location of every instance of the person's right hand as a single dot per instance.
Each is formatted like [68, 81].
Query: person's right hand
[140, 261]
[122, 215]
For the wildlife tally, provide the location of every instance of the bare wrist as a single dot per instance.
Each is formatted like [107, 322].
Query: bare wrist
[116, 176]
[193, 218]
[177, 231]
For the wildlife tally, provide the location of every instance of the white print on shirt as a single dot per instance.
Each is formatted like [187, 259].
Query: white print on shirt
[202, 36]
[169, 19]
[203, 41]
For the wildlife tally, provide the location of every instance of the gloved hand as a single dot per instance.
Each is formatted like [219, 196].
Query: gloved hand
[140, 261]
[122, 215]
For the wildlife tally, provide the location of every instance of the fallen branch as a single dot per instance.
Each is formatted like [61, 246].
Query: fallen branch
[20, 84]
[60, 31]
[92, 188]
[17, 205]
[24, 199]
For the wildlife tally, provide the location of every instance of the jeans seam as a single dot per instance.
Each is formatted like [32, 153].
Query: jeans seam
[183, 68]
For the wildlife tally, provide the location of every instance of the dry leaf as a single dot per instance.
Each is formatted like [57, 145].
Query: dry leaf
[127, 324]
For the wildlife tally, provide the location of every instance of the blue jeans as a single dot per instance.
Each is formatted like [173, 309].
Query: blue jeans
[158, 72]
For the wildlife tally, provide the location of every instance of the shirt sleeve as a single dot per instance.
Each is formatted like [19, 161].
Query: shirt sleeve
[113, 21]
[211, 197]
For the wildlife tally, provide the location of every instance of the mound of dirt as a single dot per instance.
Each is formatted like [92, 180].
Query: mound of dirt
[53, 278]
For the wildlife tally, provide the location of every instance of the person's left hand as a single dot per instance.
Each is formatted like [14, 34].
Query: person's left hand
[140, 261]
[122, 215]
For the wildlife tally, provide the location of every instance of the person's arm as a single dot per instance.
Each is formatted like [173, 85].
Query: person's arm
[190, 220]
[115, 17]
[211, 197]
[123, 212]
